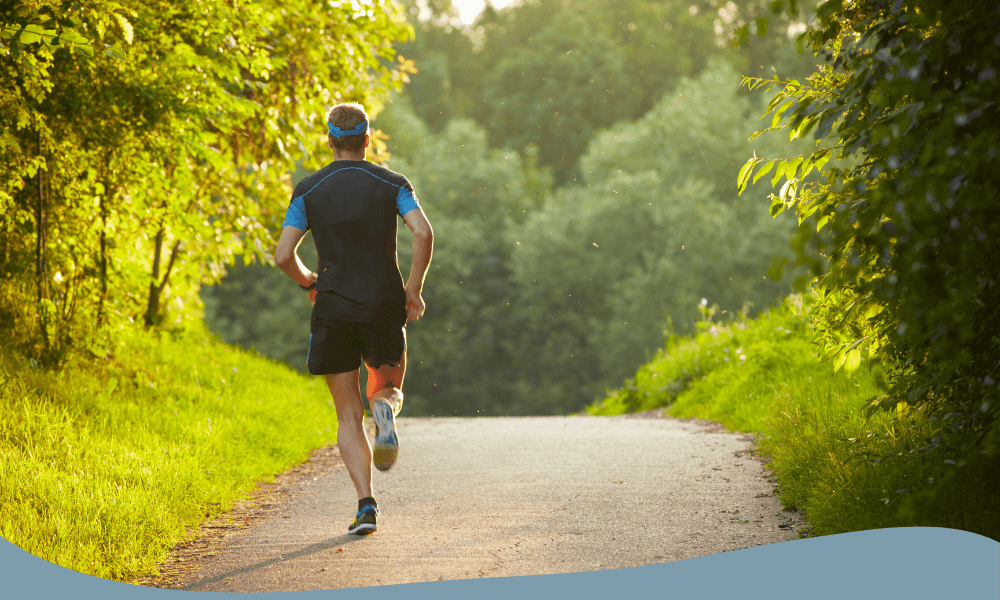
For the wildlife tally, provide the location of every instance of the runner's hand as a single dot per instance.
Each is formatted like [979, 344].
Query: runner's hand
[312, 296]
[414, 306]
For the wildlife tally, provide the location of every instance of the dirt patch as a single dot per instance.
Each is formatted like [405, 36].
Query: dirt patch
[656, 413]
[212, 534]
[707, 426]
[661, 413]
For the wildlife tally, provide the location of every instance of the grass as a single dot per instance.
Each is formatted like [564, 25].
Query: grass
[848, 470]
[106, 464]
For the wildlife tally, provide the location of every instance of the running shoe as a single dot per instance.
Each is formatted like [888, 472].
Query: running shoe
[386, 443]
[364, 523]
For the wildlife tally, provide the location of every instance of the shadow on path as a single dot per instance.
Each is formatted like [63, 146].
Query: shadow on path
[335, 542]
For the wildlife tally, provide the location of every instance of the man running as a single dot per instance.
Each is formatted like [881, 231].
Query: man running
[360, 305]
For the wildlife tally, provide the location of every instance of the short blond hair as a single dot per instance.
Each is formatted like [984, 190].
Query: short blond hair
[348, 116]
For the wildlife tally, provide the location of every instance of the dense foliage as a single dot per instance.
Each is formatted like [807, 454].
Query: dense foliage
[551, 73]
[130, 177]
[909, 226]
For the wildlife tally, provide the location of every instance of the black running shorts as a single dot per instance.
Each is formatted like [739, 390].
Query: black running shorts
[340, 346]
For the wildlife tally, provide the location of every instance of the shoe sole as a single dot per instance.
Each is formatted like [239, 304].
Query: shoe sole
[363, 529]
[386, 447]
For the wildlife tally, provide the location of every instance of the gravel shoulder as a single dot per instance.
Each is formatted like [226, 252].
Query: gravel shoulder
[496, 497]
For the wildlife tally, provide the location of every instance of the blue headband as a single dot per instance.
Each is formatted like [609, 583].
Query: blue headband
[361, 127]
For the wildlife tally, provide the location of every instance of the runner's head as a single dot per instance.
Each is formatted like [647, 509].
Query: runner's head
[345, 118]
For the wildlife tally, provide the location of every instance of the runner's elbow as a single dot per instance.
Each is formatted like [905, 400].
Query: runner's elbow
[282, 257]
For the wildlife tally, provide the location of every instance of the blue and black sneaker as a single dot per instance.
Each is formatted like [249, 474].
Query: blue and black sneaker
[386, 447]
[365, 522]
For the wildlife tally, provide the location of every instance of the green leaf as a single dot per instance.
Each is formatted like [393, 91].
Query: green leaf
[852, 360]
[822, 160]
[116, 52]
[763, 170]
[125, 26]
[72, 38]
[744, 174]
[792, 167]
[31, 34]
[778, 173]
[872, 310]
[776, 206]
[806, 210]
[831, 353]
[829, 118]
[855, 344]
[825, 10]
[788, 192]
[805, 126]
[779, 113]
[839, 361]
[774, 102]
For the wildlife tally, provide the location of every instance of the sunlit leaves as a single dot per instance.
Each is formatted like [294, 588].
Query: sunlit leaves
[116, 51]
[33, 33]
[761, 172]
[187, 134]
[124, 26]
[745, 172]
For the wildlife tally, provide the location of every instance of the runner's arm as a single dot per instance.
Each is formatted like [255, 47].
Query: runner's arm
[423, 248]
[286, 255]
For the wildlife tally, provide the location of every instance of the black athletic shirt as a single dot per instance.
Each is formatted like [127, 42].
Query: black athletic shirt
[351, 207]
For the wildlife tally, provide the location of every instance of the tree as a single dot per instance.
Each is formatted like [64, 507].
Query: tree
[446, 85]
[131, 173]
[909, 95]
[551, 73]
[567, 82]
[653, 227]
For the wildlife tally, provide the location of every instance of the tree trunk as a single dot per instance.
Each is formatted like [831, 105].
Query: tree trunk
[157, 286]
[43, 321]
[103, 261]
[153, 304]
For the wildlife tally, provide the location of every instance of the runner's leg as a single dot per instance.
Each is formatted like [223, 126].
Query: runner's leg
[386, 400]
[355, 449]
[387, 382]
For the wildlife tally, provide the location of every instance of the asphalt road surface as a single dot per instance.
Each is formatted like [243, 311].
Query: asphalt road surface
[497, 497]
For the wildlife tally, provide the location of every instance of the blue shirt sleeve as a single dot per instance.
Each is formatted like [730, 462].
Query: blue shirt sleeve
[405, 201]
[295, 216]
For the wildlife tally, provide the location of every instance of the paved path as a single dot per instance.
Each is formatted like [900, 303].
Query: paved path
[496, 497]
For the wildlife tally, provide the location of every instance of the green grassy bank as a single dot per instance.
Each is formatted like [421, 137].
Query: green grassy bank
[106, 463]
[846, 470]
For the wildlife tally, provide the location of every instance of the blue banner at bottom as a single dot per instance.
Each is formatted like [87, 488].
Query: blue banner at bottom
[914, 563]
